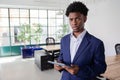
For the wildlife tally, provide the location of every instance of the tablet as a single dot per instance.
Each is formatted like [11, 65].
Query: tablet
[57, 63]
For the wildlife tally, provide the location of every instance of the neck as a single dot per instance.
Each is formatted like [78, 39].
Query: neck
[77, 33]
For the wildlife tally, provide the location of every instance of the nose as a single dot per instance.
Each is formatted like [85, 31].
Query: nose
[74, 22]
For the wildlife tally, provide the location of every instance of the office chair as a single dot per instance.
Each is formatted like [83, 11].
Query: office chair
[117, 48]
[51, 41]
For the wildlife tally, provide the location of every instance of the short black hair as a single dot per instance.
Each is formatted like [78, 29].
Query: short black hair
[77, 6]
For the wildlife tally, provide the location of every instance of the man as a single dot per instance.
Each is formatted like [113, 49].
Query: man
[80, 51]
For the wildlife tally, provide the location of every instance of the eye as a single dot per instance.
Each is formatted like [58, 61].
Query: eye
[78, 19]
[70, 19]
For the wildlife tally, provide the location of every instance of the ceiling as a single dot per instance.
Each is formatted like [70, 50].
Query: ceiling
[58, 4]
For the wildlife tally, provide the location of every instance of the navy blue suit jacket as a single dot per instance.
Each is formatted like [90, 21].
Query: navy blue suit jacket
[90, 58]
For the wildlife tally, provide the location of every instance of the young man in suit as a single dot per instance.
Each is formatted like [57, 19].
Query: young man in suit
[80, 51]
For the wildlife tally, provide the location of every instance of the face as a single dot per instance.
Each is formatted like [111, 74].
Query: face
[77, 21]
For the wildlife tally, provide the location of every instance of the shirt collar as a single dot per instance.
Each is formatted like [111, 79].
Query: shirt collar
[81, 35]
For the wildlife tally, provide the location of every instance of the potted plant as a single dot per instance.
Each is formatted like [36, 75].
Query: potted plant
[63, 31]
[37, 31]
[24, 34]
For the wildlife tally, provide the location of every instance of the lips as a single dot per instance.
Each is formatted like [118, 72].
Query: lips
[74, 27]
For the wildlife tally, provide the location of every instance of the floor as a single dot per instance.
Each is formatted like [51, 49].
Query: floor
[16, 68]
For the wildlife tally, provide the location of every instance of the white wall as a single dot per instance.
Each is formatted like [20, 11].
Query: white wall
[104, 22]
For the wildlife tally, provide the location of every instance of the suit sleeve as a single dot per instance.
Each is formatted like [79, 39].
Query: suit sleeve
[98, 66]
[60, 58]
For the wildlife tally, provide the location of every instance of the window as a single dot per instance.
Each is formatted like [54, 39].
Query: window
[4, 27]
[54, 22]
[11, 20]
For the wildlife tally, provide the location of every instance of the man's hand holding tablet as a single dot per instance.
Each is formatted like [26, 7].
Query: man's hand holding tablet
[57, 63]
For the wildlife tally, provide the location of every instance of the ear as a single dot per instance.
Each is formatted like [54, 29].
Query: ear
[85, 18]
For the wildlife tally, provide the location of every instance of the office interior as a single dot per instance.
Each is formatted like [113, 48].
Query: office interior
[102, 22]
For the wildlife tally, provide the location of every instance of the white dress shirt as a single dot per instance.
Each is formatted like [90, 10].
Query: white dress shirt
[75, 43]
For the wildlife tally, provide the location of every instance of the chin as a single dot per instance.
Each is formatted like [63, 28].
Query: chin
[76, 31]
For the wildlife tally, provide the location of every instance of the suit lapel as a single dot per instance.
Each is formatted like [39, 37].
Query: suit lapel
[82, 47]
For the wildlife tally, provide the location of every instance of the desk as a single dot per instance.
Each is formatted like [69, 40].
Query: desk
[51, 47]
[41, 60]
[41, 56]
[113, 67]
